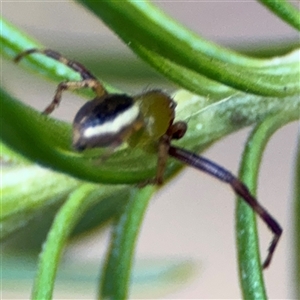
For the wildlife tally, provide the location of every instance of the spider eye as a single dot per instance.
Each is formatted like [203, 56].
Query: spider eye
[105, 121]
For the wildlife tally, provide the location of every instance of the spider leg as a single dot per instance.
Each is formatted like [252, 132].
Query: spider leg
[239, 188]
[71, 86]
[88, 79]
[76, 66]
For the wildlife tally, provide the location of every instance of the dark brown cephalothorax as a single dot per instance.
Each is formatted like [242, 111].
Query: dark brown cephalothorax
[145, 120]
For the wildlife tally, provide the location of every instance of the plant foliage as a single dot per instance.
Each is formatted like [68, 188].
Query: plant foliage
[227, 91]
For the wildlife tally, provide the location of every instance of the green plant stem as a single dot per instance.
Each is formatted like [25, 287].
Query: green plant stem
[116, 278]
[247, 241]
[154, 23]
[191, 80]
[67, 217]
[286, 11]
[297, 221]
[14, 41]
[63, 224]
[23, 196]
[158, 38]
[52, 140]
[149, 27]
[25, 127]
[9, 156]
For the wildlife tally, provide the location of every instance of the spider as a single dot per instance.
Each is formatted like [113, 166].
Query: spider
[145, 120]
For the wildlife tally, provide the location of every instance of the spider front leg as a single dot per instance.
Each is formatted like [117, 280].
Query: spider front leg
[211, 168]
[88, 79]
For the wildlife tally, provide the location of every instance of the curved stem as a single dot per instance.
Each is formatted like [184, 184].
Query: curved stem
[250, 269]
[117, 270]
[284, 10]
[62, 226]
[191, 80]
[66, 219]
[149, 27]
[14, 41]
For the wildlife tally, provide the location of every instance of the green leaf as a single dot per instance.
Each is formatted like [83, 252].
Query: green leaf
[116, 279]
[286, 11]
[25, 127]
[10, 157]
[14, 41]
[29, 206]
[66, 219]
[140, 23]
[23, 195]
[52, 138]
[250, 269]
[169, 48]
[184, 77]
